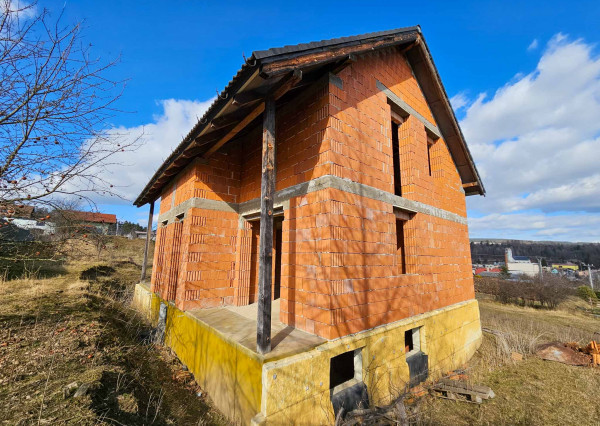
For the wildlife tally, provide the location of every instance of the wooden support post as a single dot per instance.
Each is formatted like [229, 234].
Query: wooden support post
[267, 193]
[148, 237]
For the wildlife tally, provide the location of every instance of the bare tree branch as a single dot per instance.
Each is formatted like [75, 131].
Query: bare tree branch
[56, 103]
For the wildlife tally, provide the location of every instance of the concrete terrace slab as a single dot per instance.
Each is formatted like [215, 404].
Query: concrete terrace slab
[238, 324]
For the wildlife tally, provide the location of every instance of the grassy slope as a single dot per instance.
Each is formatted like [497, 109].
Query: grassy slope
[77, 327]
[532, 391]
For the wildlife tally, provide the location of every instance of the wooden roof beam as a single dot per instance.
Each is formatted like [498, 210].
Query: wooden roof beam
[248, 97]
[286, 84]
[278, 66]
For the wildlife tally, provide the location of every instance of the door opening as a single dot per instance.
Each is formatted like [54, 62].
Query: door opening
[254, 258]
[278, 234]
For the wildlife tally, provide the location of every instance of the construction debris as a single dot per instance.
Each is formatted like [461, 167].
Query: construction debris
[592, 349]
[394, 413]
[565, 354]
[460, 390]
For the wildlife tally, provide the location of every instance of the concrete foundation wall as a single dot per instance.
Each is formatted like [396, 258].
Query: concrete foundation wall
[295, 389]
[230, 373]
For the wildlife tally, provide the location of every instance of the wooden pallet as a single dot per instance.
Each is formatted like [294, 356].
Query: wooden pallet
[459, 390]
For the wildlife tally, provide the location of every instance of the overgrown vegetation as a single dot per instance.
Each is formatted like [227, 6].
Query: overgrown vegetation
[77, 327]
[529, 391]
[548, 291]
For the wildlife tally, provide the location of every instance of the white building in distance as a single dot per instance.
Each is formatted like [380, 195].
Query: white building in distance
[520, 265]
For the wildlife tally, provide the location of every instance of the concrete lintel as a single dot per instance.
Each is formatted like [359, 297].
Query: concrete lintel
[336, 81]
[397, 100]
[200, 203]
[283, 196]
[387, 197]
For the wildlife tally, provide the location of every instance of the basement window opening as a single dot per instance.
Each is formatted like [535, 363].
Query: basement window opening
[412, 341]
[345, 369]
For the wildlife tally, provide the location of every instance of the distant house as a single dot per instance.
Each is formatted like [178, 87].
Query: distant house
[141, 235]
[565, 266]
[101, 222]
[481, 270]
[17, 211]
[21, 217]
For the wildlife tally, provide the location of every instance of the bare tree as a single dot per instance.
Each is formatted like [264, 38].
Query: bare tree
[55, 103]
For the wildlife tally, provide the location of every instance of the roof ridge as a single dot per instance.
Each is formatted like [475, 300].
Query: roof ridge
[274, 51]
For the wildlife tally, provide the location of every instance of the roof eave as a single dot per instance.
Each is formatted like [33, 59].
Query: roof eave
[257, 61]
[276, 62]
[243, 75]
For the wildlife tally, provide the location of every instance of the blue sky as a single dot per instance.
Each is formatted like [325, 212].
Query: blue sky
[176, 54]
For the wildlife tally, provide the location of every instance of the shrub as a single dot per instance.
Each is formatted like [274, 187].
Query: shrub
[586, 293]
[546, 292]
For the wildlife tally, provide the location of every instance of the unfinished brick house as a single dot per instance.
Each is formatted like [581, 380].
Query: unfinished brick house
[325, 184]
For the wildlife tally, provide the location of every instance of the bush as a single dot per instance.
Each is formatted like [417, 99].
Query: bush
[586, 293]
[547, 292]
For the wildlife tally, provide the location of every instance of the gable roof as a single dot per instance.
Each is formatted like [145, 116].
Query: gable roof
[238, 105]
[91, 217]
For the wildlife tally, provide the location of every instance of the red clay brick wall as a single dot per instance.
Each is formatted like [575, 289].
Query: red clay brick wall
[305, 282]
[208, 262]
[369, 287]
[167, 260]
[359, 133]
[342, 268]
[159, 257]
[204, 261]
[218, 180]
[300, 129]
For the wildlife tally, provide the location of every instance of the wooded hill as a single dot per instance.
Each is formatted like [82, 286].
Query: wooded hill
[492, 250]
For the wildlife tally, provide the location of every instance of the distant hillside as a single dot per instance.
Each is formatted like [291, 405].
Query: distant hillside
[492, 250]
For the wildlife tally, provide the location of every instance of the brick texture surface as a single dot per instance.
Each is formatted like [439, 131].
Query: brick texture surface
[341, 269]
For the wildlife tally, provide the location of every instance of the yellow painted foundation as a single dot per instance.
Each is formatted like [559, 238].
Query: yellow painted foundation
[295, 389]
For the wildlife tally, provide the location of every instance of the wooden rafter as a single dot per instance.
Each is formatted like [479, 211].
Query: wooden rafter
[286, 84]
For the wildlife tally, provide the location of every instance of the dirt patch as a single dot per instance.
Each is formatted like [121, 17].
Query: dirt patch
[96, 272]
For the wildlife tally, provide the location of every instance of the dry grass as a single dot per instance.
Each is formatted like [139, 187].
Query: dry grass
[77, 327]
[532, 391]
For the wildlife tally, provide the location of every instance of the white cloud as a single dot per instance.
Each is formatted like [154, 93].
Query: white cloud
[133, 169]
[533, 45]
[537, 226]
[536, 141]
[23, 9]
[459, 101]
